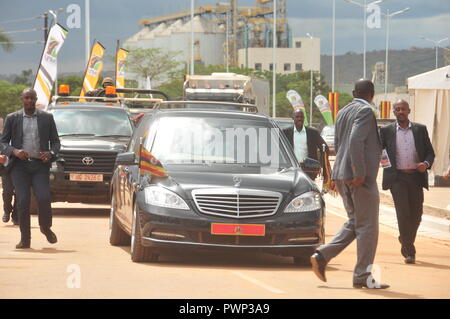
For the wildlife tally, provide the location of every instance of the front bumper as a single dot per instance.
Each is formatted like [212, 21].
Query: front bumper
[62, 189]
[288, 234]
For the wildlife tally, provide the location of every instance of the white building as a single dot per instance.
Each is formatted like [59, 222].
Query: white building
[303, 56]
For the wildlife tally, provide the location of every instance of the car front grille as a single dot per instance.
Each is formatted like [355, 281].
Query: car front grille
[236, 202]
[102, 161]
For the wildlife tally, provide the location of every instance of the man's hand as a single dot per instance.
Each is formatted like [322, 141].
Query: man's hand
[358, 181]
[3, 159]
[20, 154]
[45, 156]
[422, 167]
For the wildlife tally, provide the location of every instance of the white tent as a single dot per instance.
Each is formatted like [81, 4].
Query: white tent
[430, 105]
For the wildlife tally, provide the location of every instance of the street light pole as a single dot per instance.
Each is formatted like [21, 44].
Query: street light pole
[310, 85]
[386, 65]
[436, 44]
[333, 45]
[274, 67]
[364, 6]
[192, 37]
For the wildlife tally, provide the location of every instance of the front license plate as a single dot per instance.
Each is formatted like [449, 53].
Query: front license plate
[86, 177]
[238, 229]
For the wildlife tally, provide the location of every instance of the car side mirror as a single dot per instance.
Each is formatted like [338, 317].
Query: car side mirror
[126, 158]
[311, 165]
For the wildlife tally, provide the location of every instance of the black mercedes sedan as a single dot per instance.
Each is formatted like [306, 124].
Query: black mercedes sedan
[205, 177]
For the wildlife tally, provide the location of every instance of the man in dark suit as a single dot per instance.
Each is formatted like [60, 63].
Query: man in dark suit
[9, 200]
[410, 154]
[31, 141]
[358, 151]
[306, 141]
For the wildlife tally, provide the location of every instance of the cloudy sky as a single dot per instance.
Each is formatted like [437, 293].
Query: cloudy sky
[116, 19]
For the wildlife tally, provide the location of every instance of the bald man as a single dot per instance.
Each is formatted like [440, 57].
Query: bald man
[30, 139]
[358, 151]
[411, 156]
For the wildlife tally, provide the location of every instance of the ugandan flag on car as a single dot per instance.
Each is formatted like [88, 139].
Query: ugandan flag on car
[148, 164]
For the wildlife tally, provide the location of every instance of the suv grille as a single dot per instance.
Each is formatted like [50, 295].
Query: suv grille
[102, 162]
[236, 202]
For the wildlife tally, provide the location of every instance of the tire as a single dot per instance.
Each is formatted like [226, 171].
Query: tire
[140, 253]
[117, 236]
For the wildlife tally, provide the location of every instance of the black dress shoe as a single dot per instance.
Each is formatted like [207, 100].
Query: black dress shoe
[410, 259]
[5, 217]
[15, 221]
[51, 237]
[23, 244]
[378, 286]
[318, 265]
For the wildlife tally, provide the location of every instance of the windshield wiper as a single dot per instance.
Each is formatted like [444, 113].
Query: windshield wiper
[77, 134]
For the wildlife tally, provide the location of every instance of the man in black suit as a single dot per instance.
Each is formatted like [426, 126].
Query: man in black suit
[306, 141]
[411, 154]
[31, 141]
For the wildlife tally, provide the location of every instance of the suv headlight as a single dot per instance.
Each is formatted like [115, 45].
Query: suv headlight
[159, 196]
[304, 203]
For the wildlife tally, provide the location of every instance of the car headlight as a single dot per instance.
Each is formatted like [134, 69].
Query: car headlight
[159, 196]
[304, 203]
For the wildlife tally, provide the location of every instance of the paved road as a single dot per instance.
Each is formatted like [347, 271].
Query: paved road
[83, 256]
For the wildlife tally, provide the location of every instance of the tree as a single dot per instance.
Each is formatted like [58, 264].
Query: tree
[153, 63]
[10, 97]
[6, 42]
[25, 78]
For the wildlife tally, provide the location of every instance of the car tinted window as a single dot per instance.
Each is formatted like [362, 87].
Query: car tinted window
[98, 123]
[217, 140]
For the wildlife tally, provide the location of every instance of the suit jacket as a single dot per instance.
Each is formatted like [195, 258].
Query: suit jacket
[423, 145]
[357, 143]
[12, 137]
[313, 139]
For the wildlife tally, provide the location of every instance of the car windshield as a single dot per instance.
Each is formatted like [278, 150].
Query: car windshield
[218, 141]
[92, 123]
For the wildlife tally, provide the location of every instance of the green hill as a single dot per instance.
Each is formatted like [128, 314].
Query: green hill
[402, 64]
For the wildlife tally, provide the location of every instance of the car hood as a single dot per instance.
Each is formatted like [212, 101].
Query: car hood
[94, 144]
[290, 181]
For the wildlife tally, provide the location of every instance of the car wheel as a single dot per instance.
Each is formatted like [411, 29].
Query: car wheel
[117, 236]
[139, 252]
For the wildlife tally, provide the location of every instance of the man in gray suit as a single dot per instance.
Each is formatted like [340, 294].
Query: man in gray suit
[358, 151]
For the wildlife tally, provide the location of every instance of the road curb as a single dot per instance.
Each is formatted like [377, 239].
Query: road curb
[428, 210]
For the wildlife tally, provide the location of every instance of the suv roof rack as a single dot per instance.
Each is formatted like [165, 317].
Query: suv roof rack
[251, 108]
[121, 100]
[142, 91]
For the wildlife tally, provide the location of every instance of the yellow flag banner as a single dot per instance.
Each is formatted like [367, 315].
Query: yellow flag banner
[46, 75]
[120, 68]
[93, 69]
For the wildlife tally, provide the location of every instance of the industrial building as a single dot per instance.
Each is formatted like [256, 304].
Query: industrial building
[228, 34]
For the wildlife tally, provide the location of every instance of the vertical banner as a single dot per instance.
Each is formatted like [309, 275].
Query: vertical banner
[333, 99]
[297, 103]
[324, 108]
[93, 69]
[385, 109]
[121, 55]
[46, 74]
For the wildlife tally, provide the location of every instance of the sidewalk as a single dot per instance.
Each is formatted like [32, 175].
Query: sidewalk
[436, 202]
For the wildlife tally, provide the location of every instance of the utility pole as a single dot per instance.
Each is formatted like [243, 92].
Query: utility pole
[45, 26]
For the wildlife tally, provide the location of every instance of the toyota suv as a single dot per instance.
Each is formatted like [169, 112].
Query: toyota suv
[91, 134]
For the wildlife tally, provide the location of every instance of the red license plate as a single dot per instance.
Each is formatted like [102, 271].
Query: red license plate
[238, 229]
